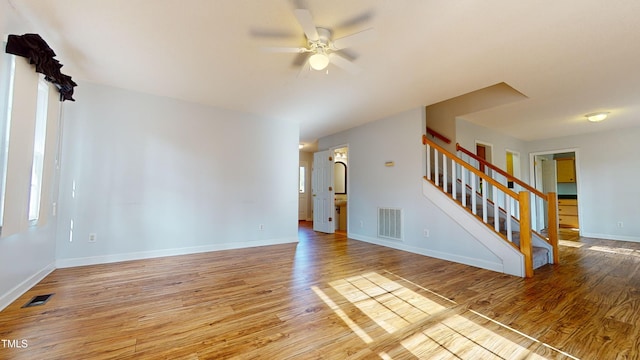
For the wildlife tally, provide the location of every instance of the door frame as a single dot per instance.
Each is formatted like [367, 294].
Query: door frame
[517, 168]
[486, 145]
[576, 152]
[307, 188]
[333, 149]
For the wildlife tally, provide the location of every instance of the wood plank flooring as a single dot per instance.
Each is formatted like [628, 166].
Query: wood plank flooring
[329, 297]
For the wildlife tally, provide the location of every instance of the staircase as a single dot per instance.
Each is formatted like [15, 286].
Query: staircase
[509, 209]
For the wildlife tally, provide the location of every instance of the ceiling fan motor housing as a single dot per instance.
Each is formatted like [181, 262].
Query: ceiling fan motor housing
[323, 42]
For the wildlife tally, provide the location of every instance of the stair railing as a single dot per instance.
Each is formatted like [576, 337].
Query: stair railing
[443, 166]
[543, 205]
[437, 135]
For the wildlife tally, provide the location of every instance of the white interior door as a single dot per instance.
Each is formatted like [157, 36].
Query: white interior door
[323, 193]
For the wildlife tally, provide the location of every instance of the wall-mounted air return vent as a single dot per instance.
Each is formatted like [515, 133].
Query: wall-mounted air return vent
[390, 223]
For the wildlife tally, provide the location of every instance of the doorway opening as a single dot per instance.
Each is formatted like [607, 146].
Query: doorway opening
[340, 166]
[303, 190]
[484, 152]
[329, 190]
[557, 171]
[513, 165]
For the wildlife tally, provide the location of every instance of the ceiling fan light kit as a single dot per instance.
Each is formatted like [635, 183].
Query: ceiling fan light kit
[323, 49]
[318, 61]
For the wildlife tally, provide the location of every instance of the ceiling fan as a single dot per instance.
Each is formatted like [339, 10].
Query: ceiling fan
[322, 50]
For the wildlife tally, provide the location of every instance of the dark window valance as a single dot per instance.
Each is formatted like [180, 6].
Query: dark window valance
[36, 50]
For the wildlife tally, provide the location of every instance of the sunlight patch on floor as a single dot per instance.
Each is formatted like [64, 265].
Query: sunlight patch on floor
[457, 333]
[613, 250]
[601, 248]
[391, 305]
[569, 243]
[347, 320]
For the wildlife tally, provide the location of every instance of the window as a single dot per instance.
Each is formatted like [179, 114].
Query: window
[37, 167]
[301, 179]
[6, 102]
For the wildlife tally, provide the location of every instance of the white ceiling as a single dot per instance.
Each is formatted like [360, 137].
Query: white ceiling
[569, 57]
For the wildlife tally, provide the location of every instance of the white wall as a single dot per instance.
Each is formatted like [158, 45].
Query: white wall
[27, 252]
[468, 133]
[608, 166]
[372, 185]
[154, 176]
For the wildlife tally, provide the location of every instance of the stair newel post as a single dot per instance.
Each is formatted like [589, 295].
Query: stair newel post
[425, 142]
[552, 204]
[525, 232]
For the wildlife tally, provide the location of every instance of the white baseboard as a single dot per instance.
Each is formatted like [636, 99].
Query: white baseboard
[23, 287]
[105, 259]
[611, 237]
[479, 263]
[511, 259]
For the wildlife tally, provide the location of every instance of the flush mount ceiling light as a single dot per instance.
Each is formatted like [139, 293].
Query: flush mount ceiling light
[597, 117]
[300, 146]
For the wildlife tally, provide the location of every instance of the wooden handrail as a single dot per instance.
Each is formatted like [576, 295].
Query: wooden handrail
[434, 133]
[462, 163]
[502, 172]
[524, 203]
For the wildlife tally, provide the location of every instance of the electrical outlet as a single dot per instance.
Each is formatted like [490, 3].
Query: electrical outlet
[93, 237]
[620, 224]
[361, 223]
[426, 233]
[261, 227]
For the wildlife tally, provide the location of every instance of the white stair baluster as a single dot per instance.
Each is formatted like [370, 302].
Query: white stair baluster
[435, 167]
[454, 180]
[508, 209]
[484, 200]
[463, 186]
[474, 201]
[444, 173]
[496, 210]
[428, 162]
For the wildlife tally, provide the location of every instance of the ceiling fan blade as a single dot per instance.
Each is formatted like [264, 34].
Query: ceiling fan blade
[272, 33]
[306, 22]
[285, 49]
[343, 63]
[353, 39]
[356, 20]
[300, 59]
[305, 70]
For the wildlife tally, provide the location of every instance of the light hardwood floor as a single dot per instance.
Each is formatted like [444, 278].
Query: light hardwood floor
[329, 297]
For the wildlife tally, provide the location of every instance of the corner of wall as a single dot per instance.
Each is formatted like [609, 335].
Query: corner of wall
[23, 287]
